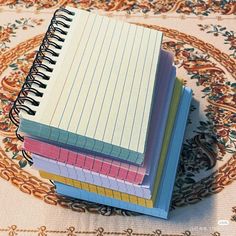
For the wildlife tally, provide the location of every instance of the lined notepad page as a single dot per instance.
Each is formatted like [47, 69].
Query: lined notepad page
[103, 92]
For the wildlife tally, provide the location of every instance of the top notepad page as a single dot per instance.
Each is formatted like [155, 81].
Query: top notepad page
[102, 85]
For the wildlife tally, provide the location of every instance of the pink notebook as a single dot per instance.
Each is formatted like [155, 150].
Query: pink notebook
[120, 170]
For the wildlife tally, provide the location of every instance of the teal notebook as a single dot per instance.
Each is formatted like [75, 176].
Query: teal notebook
[99, 88]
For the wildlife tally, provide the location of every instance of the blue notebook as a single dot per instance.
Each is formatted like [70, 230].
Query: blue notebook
[163, 200]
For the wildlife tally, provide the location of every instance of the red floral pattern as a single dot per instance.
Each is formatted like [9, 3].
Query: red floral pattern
[9, 30]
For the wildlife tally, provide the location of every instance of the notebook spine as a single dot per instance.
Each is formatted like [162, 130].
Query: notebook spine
[40, 70]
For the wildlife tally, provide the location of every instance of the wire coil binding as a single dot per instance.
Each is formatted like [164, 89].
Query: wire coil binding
[52, 40]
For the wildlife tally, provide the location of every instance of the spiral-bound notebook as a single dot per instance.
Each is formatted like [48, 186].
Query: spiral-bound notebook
[100, 75]
[108, 166]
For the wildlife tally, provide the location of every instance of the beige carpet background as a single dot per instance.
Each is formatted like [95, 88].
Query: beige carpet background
[202, 34]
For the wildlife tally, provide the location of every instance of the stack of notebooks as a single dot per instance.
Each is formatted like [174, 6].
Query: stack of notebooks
[103, 114]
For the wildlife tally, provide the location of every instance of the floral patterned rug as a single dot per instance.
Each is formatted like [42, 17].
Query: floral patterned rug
[202, 35]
